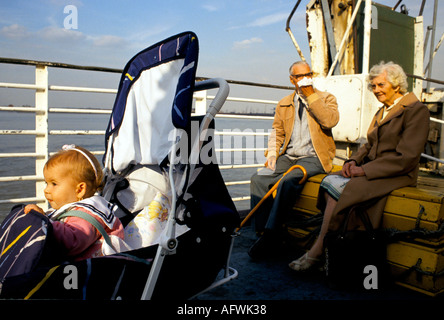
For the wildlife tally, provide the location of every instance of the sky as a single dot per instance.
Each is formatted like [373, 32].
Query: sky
[239, 39]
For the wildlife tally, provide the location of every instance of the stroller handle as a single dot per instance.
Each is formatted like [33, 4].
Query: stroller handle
[221, 94]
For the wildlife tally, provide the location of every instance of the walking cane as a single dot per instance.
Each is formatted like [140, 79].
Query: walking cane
[250, 214]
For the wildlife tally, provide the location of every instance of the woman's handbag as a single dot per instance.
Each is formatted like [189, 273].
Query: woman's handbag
[356, 259]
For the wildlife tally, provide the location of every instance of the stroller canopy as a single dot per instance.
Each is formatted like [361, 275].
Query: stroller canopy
[155, 81]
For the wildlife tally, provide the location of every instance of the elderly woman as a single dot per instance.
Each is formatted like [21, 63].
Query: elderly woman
[388, 161]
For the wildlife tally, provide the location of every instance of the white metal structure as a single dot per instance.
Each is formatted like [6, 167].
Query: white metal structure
[351, 128]
[42, 131]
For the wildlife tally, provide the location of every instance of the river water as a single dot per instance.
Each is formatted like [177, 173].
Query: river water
[26, 143]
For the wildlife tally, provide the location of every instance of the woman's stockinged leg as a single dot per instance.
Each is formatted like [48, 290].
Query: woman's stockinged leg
[318, 247]
[311, 258]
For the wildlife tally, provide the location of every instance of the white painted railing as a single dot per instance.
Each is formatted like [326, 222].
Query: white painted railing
[42, 131]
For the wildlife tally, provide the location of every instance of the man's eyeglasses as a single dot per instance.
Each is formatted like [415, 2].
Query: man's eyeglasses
[296, 76]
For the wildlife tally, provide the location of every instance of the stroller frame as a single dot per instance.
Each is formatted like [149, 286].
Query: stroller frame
[168, 242]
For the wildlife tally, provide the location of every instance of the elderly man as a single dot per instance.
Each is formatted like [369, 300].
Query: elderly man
[388, 161]
[301, 135]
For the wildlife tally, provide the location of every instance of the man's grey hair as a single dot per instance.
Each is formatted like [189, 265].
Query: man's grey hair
[298, 63]
[394, 73]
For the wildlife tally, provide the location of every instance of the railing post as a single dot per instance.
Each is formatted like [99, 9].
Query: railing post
[367, 35]
[41, 126]
[201, 102]
[418, 57]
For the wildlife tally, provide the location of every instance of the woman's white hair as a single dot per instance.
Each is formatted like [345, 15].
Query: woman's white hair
[394, 73]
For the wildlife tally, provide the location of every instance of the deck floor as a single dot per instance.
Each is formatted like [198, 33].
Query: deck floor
[272, 279]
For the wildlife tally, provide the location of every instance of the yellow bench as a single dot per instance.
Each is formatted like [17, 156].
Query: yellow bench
[406, 209]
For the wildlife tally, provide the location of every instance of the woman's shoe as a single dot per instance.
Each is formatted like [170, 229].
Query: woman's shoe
[304, 263]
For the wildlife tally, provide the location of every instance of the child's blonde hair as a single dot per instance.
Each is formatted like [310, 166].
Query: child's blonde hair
[80, 164]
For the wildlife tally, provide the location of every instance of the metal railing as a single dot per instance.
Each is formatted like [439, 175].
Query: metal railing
[42, 131]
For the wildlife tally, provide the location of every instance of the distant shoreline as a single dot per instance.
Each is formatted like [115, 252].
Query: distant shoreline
[247, 114]
[230, 113]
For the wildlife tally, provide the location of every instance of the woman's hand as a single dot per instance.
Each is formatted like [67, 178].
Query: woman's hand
[356, 171]
[350, 169]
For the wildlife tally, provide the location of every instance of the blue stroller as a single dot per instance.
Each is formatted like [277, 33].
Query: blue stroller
[156, 154]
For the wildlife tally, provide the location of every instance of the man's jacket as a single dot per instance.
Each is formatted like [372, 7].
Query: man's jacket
[322, 116]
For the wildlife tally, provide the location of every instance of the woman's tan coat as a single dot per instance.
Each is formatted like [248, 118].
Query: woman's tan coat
[390, 159]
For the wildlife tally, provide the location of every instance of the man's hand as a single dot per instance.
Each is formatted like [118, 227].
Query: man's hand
[307, 90]
[35, 207]
[350, 169]
[271, 163]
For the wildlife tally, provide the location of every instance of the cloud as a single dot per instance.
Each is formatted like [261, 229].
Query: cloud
[264, 21]
[61, 35]
[63, 3]
[147, 35]
[270, 19]
[55, 34]
[144, 38]
[210, 7]
[14, 31]
[109, 41]
[247, 43]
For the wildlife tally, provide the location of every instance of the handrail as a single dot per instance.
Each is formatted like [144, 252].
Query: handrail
[57, 65]
[45, 133]
[43, 111]
[114, 70]
[339, 53]
[290, 33]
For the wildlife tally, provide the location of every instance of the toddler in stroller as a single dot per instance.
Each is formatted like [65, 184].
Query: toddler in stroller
[73, 176]
[149, 125]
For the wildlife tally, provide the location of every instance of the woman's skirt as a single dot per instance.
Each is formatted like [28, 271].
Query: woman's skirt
[334, 185]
